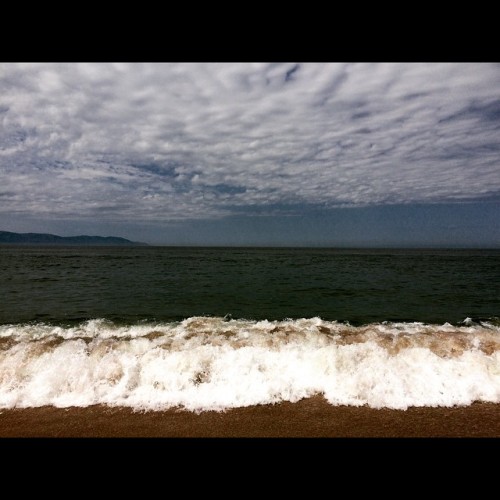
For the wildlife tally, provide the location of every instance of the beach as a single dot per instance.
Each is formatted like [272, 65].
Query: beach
[312, 417]
[215, 342]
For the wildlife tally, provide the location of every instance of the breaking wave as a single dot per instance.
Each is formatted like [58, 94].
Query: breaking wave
[211, 363]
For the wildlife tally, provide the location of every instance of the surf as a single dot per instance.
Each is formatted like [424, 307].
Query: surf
[218, 363]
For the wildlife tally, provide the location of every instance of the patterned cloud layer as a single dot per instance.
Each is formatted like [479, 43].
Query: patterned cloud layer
[163, 142]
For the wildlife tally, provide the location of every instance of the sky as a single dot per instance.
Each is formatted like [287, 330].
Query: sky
[281, 154]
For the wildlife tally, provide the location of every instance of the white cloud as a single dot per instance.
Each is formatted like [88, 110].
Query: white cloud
[170, 141]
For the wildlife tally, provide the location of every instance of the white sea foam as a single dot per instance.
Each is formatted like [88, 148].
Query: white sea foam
[206, 363]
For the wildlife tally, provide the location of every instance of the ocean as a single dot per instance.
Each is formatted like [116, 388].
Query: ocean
[216, 328]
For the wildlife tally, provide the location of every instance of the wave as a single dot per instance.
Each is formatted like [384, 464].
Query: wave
[212, 363]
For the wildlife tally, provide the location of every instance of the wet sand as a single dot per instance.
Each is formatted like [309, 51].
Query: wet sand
[312, 417]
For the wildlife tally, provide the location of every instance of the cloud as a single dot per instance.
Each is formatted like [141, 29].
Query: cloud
[162, 142]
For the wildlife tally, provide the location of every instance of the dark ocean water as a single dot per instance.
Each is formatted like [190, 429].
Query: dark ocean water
[72, 284]
[144, 327]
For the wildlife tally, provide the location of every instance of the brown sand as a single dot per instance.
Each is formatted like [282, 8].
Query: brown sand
[312, 417]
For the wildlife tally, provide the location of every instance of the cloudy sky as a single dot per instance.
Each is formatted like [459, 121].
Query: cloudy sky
[253, 154]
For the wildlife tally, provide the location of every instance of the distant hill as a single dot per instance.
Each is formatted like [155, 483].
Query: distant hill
[7, 237]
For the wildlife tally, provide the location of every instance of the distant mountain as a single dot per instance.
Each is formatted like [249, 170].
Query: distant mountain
[7, 237]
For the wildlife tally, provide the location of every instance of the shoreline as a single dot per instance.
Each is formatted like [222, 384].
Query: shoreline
[309, 418]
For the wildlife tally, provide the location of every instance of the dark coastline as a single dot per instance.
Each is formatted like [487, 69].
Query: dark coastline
[46, 239]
